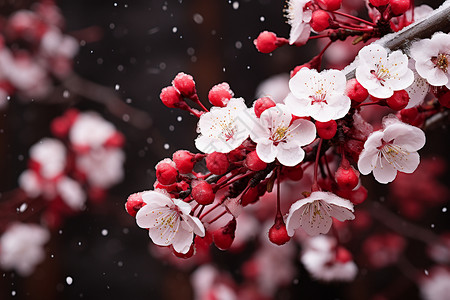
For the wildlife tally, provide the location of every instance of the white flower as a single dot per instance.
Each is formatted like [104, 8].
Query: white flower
[299, 19]
[436, 287]
[103, 166]
[418, 90]
[50, 154]
[224, 128]
[276, 137]
[319, 95]
[314, 213]
[390, 150]
[381, 74]
[432, 59]
[21, 247]
[319, 258]
[90, 130]
[168, 221]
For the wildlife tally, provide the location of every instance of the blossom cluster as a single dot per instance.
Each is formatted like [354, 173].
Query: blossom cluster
[34, 52]
[321, 126]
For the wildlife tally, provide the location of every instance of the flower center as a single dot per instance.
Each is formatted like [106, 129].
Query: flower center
[319, 97]
[279, 134]
[228, 129]
[440, 61]
[381, 73]
[393, 154]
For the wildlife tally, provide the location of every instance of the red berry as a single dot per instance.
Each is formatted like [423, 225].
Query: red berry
[399, 7]
[359, 196]
[326, 130]
[224, 236]
[355, 91]
[330, 5]
[262, 104]
[378, 3]
[166, 173]
[220, 94]
[266, 42]
[278, 233]
[343, 255]
[171, 97]
[134, 204]
[217, 163]
[399, 100]
[254, 163]
[185, 84]
[409, 115]
[184, 160]
[320, 20]
[237, 154]
[347, 178]
[202, 192]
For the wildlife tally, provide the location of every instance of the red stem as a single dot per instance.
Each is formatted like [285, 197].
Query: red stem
[354, 18]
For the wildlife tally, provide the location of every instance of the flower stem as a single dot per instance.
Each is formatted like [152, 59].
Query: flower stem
[315, 185]
[354, 18]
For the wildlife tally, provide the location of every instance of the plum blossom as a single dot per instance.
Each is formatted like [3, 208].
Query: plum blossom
[319, 258]
[21, 247]
[319, 95]
[390, 150]
[314, 213]
[418, 90]
[382, 74]
[224, 128]
[432, 59]
[298, 16]
[168, 221]
[435, 286]
[278, 137]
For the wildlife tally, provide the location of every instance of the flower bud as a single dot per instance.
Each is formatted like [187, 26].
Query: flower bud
[355, 91]
[134, 204]
[278, 233]
[320, 20]
[254, 163]
[330, 5]
[217, 163]
[184, 160]
[346, 176]
[266, 42]
[220, 94]
[399, 7]
[262, 104]
[399, 100]
[409, 115]
[166, 173]
[185, 84]
[171, 97]
[224, 236]
[202, 192]
[326, 130]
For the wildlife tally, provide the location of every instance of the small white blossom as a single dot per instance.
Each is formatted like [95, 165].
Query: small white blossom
[50, 155]
[90, 130]
[418, 90]
[277, 138]
[319, 95]
[21, 247]
[298, 17]
[382, 74]
[224, 128]
[432, 59]
[168, 221]
[436, 286]
[314, 213]
[390, 150]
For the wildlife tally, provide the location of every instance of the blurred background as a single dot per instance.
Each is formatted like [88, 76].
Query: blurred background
[135, 48]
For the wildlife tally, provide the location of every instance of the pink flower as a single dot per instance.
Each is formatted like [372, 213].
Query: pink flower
[168, 221]
[298, 17]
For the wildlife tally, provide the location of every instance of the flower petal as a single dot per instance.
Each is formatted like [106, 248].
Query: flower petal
[290, 157]
[182, 241]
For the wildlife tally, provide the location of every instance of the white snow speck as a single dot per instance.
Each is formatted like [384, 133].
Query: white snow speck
[238, 45]
[166, 146]
[13, 293]
[174, 29]
[179, 118]
[198, 18]
[104, 232]
[23, 207]
[444, 209]
[66, 94]
[235, 5]
[117, 87]
[262, 19]
[69, 280]
[426, 272]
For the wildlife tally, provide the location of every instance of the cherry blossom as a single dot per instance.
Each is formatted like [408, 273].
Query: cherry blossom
[319, 258]
[168, 221]
[314, 213]
[419, 89]
[319, 95]
[382, 74]
[21, 247]
[277, 137]
[435, 286]
[298, 17]
[432, 59]
[224, 128]
[390, 150]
